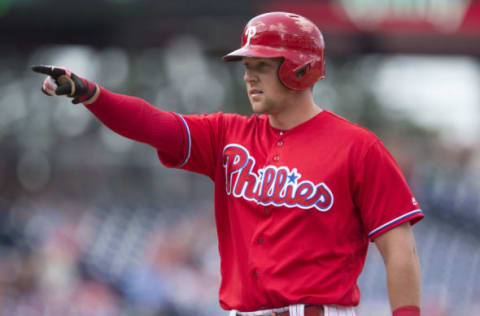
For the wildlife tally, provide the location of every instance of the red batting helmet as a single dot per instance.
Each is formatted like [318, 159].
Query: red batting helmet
[290, 36]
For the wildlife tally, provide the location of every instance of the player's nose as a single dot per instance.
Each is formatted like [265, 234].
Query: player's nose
[250, 76]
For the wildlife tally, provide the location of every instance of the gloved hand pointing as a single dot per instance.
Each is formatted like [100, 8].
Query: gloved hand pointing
[61, 81]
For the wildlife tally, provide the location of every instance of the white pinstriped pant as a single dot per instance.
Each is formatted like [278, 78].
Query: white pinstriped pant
[298, 310]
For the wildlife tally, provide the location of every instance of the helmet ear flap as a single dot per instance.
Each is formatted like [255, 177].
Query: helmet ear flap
[300, 77]
[294, 77]
[300, 73]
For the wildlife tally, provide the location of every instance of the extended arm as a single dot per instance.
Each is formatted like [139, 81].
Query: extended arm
[128, 116]
[399, 254]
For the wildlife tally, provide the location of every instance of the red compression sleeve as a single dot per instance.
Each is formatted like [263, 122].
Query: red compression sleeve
[407, 311]
[138, 120]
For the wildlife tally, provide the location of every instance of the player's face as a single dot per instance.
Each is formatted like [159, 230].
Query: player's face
[266, 93]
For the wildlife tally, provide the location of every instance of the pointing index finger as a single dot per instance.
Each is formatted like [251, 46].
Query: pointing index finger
[47, 70]
[53, 71]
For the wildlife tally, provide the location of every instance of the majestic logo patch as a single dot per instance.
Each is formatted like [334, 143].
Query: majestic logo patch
[271, 185]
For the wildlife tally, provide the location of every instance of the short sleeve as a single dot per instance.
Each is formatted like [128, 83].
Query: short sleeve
[203, 138]
[381, 193]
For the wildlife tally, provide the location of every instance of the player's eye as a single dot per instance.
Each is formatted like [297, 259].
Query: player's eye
[263, 66]
[248, 65]
[257, 66]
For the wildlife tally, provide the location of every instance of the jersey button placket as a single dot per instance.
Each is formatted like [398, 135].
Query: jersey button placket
[279, 144]
[275, 158]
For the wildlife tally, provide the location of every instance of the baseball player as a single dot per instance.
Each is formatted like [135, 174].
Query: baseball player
[299, 191]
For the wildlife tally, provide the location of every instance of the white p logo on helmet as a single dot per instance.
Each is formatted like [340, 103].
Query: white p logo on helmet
[250, 32]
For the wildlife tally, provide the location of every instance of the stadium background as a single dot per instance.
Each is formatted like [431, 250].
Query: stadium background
[92, 224]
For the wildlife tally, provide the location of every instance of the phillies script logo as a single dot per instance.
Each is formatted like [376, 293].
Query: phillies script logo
[271, 185]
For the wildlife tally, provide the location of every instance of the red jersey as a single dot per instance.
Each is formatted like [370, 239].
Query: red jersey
[295, 209]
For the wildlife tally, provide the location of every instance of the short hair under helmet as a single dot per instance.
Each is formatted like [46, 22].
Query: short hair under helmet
[290, 36]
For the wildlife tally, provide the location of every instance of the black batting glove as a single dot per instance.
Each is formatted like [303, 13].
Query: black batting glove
[61, 81]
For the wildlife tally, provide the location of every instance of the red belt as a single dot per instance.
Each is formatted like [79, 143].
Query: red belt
[309, 311]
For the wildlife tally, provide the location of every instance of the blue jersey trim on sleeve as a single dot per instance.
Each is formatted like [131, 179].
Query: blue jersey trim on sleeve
[393, 221]
[189, 141]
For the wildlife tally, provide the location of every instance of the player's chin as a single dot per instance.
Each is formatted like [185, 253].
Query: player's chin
[258, 108]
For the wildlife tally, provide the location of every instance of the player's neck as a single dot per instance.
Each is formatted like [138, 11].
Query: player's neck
[294, 114]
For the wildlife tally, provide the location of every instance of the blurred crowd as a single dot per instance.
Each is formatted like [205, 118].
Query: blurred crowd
[120, 260]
